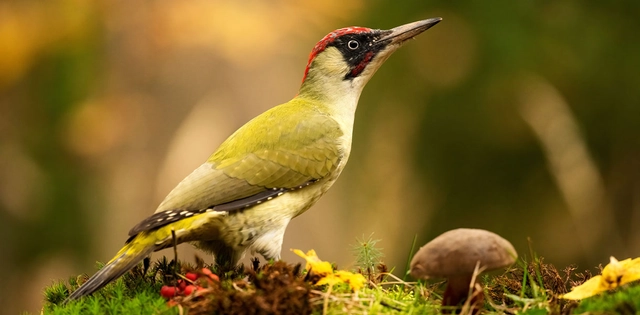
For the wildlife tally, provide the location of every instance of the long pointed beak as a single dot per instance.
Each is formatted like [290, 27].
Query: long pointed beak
[400, 34]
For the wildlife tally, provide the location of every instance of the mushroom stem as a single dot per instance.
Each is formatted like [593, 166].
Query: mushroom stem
[457, 292]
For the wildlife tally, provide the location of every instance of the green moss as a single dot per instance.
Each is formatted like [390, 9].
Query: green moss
[141, 303]
[625, 300]
[117, 302]
[134, 293]
[382, 299]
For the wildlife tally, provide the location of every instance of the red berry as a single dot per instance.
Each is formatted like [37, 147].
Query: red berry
[191, 276]
[181, 285]
[168, 291]
[210, 274]
[189, 289]
[214, 277]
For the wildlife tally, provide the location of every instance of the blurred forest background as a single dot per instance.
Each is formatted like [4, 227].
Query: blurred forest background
[520, 117]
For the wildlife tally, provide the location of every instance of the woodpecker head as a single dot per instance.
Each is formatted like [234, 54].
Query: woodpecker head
[345, 59]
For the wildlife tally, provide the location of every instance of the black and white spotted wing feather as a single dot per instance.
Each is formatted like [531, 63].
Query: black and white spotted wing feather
[163, 218]
[160, 219]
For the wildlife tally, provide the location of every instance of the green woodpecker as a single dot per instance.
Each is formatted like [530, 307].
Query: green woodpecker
[274, 167]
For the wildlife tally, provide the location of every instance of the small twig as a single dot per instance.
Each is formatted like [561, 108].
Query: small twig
[398, 280]
[175, 252]
[497, 307]
[476, 272]
[352, 301]
[235, 286]
[474, 290]
[383, 303]
[198, 293]
[146, 263]
[325, 305]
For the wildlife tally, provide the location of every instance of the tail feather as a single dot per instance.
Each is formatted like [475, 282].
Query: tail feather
[129, 256]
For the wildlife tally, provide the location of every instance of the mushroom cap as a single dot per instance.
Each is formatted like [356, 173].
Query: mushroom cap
[457, 252]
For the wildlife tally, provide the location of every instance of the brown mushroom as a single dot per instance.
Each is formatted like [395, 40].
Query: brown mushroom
[454, 255]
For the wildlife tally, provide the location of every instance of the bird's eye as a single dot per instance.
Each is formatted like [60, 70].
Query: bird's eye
[353, 44]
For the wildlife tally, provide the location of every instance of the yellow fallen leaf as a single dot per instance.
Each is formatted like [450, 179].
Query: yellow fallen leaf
[355, 280]
[615, 274]
[324, 270]
[330, 279]
[588, 288]
[314, 263]
[618, 273]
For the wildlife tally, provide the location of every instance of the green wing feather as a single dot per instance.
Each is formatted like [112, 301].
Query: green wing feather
[267, 152]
